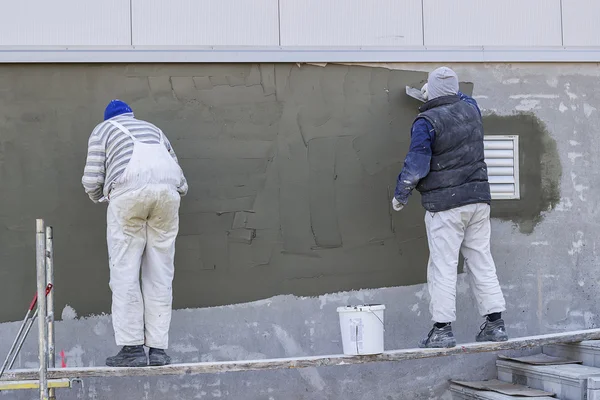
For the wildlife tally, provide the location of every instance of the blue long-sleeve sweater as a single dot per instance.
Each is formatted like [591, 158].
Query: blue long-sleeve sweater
[418, 159]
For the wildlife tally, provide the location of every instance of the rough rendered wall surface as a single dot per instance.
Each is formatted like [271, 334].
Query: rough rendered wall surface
[290, 171]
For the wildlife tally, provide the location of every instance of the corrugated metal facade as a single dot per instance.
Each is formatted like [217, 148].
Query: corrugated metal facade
[492, 23]
[313, 30]
[581, 22]
[205, 23]
[351, 23]
[65, 23]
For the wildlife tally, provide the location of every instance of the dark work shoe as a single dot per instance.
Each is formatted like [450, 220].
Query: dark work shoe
[439, 338]
[158, 357]
[129, 356]
[492, 332]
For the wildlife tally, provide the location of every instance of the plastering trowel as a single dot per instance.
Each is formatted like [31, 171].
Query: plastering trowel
[415, 94]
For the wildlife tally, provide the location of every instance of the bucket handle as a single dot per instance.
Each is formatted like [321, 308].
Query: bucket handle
[376, 316]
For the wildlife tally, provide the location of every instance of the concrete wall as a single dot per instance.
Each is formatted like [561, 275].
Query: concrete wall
[290, 170]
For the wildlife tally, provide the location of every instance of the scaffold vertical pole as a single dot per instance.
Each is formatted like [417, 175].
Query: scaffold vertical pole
[42, 309]
[50, 303]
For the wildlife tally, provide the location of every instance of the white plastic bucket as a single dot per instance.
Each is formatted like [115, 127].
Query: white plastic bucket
[362, 329]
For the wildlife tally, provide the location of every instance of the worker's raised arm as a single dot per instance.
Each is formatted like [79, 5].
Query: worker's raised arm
[183, 186]
[469, 100]
[95, 168]
[417, 161]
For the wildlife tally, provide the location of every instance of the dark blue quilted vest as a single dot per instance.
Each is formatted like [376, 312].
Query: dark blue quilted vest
[458, 174]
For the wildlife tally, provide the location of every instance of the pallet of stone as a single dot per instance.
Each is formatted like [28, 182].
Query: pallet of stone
[465, 393]
[506, 388]
[540, 359]
[593, 388]
[568, 381]
[587, 351]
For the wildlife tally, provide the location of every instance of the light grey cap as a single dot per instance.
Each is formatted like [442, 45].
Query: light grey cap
[442, 82]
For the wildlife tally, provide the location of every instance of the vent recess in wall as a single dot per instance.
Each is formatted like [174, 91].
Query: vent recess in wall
[502, 159]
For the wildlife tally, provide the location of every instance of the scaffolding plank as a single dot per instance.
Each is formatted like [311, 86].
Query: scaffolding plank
[307, 362]
[33, 384]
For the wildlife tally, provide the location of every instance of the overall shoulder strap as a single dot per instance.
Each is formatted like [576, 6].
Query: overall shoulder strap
[161, 137]
[123, 129]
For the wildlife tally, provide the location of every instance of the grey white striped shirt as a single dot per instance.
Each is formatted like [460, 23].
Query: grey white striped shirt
[109, 152]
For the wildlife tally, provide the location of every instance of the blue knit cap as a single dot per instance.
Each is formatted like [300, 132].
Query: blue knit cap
[116, 107]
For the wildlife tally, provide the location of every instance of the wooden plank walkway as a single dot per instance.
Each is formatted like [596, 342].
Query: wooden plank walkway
[306, 362]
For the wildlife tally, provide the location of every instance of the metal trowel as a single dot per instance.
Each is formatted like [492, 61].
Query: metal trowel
[415, 94]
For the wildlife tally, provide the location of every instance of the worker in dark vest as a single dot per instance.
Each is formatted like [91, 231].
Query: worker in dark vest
[446, 165]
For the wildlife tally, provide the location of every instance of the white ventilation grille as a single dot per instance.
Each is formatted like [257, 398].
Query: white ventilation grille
[502, 159]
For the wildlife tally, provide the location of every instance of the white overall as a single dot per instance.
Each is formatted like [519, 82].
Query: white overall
[466, 230]
[143, 221]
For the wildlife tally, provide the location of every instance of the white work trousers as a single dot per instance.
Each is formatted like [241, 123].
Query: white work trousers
[142, 228]
[467, 230]
[143, 222]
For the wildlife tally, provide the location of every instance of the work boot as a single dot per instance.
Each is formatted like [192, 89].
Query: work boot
[492, 331]
[439, 338]
[158, 357]
[129, 356]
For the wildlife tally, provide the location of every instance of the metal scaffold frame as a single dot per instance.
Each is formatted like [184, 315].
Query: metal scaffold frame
[43, 320]
[48, 377]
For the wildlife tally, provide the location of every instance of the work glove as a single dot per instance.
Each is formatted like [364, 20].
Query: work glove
[397, 205]
[424, 92]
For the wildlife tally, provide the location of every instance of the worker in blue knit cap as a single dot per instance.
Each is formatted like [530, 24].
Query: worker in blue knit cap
[132, 166]
[446, 164]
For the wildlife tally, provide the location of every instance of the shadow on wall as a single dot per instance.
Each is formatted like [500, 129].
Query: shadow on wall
[290, 168]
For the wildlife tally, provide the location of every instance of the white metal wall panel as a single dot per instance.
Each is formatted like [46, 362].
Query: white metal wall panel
[351, 23]
[492, 22]
[65, 23]
[502, 159]
[581, 22]
[205, 22]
